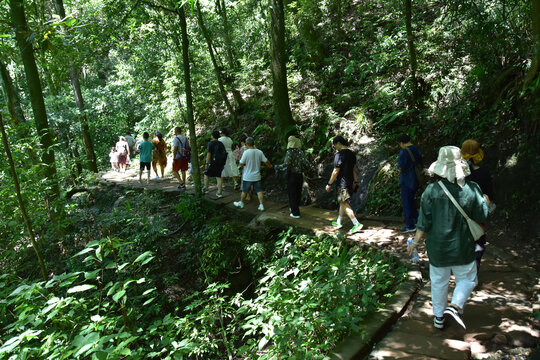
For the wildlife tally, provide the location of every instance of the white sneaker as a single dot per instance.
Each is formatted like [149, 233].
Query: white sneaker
[219, 195]
[238, 204]
[294, 216]
[261, 207]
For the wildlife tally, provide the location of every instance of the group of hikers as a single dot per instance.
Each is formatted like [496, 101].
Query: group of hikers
[452, 212]
[462, 192]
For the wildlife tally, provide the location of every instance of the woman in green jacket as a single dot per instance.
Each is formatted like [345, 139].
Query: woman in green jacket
[449, 242]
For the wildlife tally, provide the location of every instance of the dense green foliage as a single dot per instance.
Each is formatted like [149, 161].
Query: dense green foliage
[148, 294]
[348, 71]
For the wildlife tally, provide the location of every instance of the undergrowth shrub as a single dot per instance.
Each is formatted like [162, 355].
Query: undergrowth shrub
[384, 193]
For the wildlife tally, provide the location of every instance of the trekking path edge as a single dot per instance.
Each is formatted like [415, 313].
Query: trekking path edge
[402, 329]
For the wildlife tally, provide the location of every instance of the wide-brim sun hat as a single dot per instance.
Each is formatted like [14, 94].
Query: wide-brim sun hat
[451, 165]
[293, 142]
[470, 150]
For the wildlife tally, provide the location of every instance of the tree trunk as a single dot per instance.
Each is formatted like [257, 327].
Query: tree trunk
[229, 51]
[13, 101]
[26, 218]
[76, 85]
[189, 102]
[206, 35]
[282, 110]
[412, 57]
[534, 70]
[36, 94]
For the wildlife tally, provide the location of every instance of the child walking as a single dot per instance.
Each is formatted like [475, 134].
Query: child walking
[145, 149]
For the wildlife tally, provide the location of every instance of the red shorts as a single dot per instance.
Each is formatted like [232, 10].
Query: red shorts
[180, 164]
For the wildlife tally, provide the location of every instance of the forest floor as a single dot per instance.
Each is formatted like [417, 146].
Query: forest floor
[499, 316]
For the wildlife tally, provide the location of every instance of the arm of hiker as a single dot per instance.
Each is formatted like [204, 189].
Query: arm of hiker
[267, 164]
[417, 238]
[355, 175]
[332, 179]
[208, 157]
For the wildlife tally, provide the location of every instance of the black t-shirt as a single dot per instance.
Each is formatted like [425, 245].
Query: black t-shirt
[483, 178]
[345, 160]
[215, 147]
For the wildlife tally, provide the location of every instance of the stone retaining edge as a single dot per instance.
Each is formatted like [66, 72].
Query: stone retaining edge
[359, 345]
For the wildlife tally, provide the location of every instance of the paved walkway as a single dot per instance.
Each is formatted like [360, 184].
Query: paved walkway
[498, 316]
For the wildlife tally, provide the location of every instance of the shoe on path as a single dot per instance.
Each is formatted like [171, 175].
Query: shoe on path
[236, 187]
[238, 204]
[219, 195]
[336, 225]
[451, 314]
[204, 190]
[294, 216]
[406, 230]
[261, 207]
[181, 186]
[356, 228]
[139, 181]
[438, 322]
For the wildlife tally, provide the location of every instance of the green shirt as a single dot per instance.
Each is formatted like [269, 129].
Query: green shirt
[146, 151]
[449, 241]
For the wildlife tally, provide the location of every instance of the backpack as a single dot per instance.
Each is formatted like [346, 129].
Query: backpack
[184, 151]
[220, 157]
[418, 170]
[123, 150]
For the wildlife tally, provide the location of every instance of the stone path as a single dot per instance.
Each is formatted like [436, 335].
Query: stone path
[498, 316]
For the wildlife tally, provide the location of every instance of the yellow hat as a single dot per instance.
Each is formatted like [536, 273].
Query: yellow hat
[471, 150]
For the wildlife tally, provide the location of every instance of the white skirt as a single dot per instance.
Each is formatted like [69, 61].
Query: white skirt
[230, 168]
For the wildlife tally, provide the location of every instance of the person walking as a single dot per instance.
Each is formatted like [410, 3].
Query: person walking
[145, 149]
[182, 157]
[295, 162]
[409, 156]
[216, 156]
[449, 242]
[230, 169]
[131, 143]
[159, 155]
[473, 154]
[123, 152]
[113, 156]
[251, 160]
[346, 179]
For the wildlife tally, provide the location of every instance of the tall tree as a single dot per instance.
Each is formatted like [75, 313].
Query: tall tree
[412, 57]
[534, 70]
[22, 34]
[217, 70]
[189, 100]
[229, 52]
[282, 109]
[24, 213]
[76, 85]
[13, 101]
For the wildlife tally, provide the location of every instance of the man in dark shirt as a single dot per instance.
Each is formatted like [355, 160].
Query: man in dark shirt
[407, 180]
[215, 162]
[344, 175]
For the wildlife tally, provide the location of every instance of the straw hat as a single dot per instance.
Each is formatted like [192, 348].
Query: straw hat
[293, 143]
[470, 150]
[450, 165]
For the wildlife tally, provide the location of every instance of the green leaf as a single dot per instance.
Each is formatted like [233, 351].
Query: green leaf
[80, 288]
[116, 297]
[91, 275]
[144, 256]
[84, 251]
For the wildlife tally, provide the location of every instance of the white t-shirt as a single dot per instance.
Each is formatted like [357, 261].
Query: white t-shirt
[252, 159]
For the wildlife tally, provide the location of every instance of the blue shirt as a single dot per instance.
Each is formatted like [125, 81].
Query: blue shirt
[406, 164]
[145, 149]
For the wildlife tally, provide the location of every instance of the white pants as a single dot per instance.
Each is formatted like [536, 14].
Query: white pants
[466, 280]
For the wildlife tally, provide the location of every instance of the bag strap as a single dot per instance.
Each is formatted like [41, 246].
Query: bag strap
[454, 201]
[411, 154]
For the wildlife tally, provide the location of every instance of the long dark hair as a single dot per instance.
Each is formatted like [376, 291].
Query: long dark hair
[158, 135]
